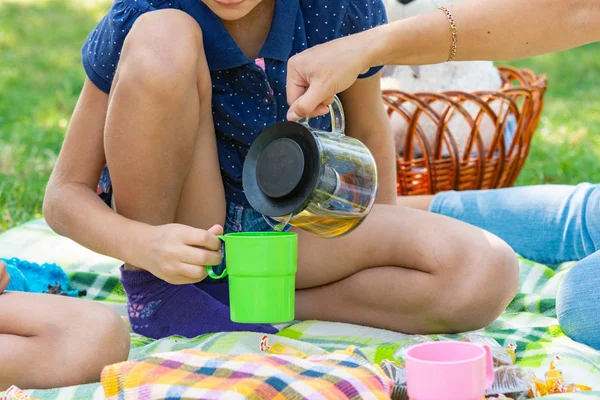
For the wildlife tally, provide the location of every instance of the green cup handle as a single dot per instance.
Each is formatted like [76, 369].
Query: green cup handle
[209, 268]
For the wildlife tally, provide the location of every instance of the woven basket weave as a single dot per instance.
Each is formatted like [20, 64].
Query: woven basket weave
[440, 164]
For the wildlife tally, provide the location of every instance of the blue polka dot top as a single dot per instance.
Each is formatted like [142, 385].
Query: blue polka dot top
[248, 95]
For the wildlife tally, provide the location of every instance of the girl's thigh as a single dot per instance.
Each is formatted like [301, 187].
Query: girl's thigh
[400, 237]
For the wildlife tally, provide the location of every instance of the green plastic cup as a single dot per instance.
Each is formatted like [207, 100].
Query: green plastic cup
[262, 276]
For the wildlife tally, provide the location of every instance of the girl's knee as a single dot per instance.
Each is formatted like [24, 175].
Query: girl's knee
[163, 52]
[481, 287]
[113, 332]
[104, 333]
[578, 302]
[87, 336]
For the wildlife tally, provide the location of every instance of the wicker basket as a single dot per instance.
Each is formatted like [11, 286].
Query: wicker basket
[439, 162]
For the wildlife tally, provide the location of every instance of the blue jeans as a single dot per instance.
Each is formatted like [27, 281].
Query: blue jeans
[548, 224]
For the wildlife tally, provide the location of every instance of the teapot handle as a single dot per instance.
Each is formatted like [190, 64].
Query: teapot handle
[336, 113]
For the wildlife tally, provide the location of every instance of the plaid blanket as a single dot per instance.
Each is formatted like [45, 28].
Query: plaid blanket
[194, 374]
[529, 321]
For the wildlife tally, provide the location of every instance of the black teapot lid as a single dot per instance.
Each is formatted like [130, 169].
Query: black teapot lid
[281, 170]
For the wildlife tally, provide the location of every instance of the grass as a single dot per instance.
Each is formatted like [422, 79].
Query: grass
[40, 79]
[566, 146]
[41, 76]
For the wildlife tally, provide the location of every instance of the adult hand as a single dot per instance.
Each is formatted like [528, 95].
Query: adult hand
[4, 277]
[317, 74]
[178, 253]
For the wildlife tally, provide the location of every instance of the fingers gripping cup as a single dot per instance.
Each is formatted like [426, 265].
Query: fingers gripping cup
[448, 370]
[262, 276]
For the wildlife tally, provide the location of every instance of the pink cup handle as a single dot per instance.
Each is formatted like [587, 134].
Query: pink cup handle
[489, 367]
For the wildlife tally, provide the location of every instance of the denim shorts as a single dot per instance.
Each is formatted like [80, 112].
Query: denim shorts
[243, 218]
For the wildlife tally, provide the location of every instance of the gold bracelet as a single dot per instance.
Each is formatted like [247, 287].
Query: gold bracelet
[454, 32]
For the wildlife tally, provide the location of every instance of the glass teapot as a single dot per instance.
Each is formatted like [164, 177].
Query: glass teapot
[322, 182]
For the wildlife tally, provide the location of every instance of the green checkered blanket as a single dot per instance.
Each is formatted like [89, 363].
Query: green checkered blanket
[529, 321]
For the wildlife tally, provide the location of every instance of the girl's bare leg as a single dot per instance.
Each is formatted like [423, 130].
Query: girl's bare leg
[49, 341]
[162, 155]
[159, 139]
[407, 270]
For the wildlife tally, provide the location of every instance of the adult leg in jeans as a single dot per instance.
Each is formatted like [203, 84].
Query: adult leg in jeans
[548, 224]
[578, 301]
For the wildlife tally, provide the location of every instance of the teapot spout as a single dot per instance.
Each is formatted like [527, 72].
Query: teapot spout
[278, 223]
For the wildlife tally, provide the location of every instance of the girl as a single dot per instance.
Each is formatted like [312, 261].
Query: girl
[176, 92]
[49, 341]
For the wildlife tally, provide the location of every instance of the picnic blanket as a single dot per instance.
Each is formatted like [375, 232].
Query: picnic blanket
[194, 374]
[529, 321]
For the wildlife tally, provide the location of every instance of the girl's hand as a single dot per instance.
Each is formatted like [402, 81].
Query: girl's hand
[178, 253]
[4, 277]
[317, 74]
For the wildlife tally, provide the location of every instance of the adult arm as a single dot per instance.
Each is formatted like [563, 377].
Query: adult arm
[487, 30]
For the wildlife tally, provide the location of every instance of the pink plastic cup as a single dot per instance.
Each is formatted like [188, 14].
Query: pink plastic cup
[448, 370]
